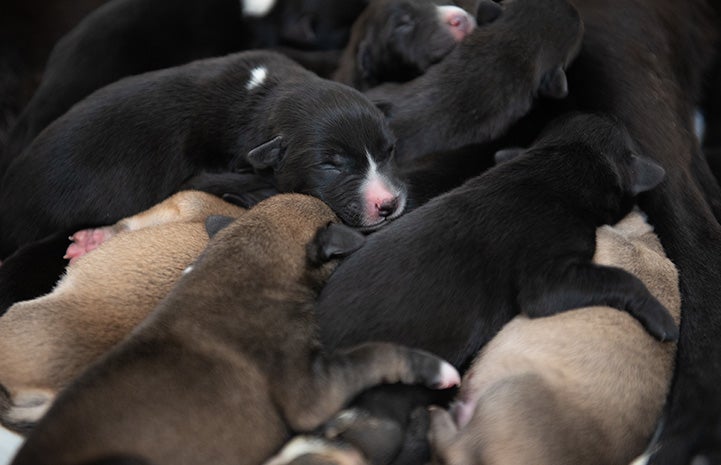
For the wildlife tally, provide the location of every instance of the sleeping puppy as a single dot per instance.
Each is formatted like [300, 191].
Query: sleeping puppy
[233, 347]
[48, 341]
[487, 82]
[586, 386]
[134, 142]
[518, 238]
[397, 40]
[129, 37]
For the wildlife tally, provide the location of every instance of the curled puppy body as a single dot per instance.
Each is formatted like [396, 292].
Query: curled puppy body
[129, 37]
[397, 40]
[487, 82]
[234, 347]
[46, 342]
[518, 238]
[585, 386]
[134, 142]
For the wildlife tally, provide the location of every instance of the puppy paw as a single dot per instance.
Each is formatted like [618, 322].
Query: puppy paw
[657, 321]
[87, 240]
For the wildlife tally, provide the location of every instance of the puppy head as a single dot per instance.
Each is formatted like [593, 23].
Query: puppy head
[397, 40]
[600, 155]
[334, 144]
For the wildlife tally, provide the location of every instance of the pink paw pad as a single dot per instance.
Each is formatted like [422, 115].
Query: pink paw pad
[86, 241]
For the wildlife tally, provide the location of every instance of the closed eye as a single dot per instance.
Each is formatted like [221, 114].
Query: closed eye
[329, 167]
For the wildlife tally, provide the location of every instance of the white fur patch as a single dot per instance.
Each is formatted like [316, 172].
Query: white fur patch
[374, 177]
[643, 460]
[29, 406]
[300, 445]
[257, 77]
[256, 8]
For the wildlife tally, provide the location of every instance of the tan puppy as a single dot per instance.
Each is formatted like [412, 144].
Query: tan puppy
[46, 342]
[228, 365]
[582, 387]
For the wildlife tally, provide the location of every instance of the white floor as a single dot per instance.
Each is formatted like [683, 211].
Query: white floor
[9, 444]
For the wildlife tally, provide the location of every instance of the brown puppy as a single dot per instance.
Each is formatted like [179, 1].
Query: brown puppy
[228, 364]
[48, 341]
[582, 387]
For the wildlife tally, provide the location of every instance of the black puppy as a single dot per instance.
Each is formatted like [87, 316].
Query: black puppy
[487, 82]
[397, 40]
[133, 143]
[519, 238]
[128, 37]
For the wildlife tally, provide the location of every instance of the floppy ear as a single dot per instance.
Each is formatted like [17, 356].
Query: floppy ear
[215, 223]
[508, 154]
[385, 107]
[645, 174]
[364, 60]
[554, 84]
[267, 155]
[334, 241]
[488, 11]
[300, 31]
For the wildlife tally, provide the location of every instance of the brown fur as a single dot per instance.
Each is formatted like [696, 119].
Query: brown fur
[48, 341]
[228, 365]
[582, 387]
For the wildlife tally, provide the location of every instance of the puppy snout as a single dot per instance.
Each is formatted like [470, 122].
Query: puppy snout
[458, 21]
[387, 207]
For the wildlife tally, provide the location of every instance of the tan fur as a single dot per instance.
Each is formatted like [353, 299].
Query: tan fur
[48, 341]
[228, 364]
[582, 387]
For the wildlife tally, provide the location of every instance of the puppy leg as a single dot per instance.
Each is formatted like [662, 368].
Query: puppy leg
[337, 378]
[185, 206]
[588, 284]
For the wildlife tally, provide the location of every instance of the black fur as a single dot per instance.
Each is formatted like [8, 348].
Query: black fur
[397, 40]
[519, 238]
[133, 143]
[28, 32]
[487, 82]
[646, 67]
[32, 270]
[128, 37]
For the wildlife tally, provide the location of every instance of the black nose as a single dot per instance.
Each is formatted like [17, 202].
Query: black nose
[388, 207]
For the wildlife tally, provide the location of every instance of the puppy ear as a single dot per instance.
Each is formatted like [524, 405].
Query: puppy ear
[646, 174]
[385, 107]
[334, 241]
[508, 154]
[554, 84]
[215, 223]
[488, 11]
[300, 31]
[267, 155]
[364, 61]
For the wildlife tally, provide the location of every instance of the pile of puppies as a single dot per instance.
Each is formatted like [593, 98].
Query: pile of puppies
[478, 164]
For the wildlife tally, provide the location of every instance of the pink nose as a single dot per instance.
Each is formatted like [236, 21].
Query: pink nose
[387, 207]
[459, 22]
